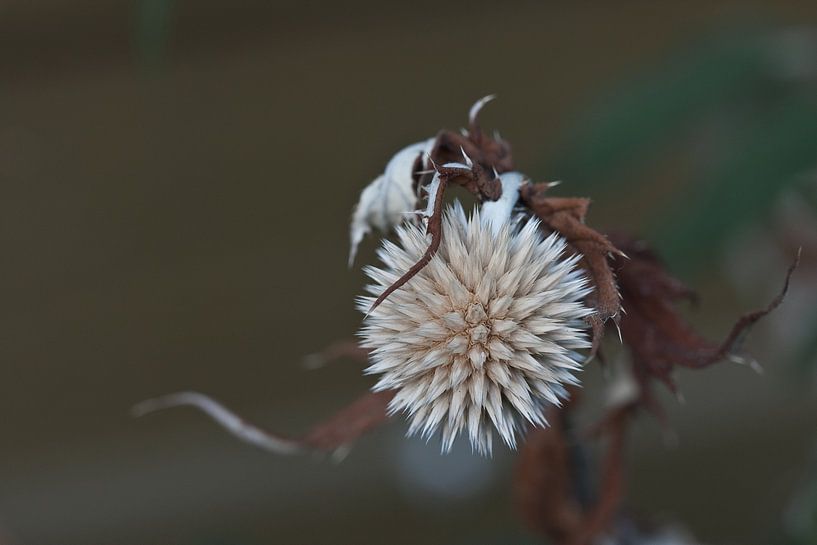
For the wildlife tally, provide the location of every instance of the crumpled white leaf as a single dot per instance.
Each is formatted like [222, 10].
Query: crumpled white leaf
[385, 201]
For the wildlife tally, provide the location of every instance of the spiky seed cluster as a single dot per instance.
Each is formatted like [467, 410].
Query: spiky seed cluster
[486, 333]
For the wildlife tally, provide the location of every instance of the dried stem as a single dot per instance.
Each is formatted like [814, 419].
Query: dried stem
[733, 341]
[611, 490]
[549, 480]
[333, 435]
[435, 229]
[223, 416]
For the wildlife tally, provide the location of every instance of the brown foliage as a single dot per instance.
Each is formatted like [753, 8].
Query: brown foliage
[655, 333]
[566, 216]
[658, 339]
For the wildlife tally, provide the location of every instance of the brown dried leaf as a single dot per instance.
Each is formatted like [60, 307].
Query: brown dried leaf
[656, 334]
[566, 216]
[489, 153]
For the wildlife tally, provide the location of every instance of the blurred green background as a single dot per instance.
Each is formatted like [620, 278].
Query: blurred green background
[177, 182]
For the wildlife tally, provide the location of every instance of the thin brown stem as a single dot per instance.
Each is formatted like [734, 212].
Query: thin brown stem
[435, 229]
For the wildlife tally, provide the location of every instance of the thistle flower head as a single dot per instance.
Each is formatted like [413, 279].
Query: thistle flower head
[483, 337]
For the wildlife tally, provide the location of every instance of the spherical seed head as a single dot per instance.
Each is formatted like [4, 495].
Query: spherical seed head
[485, 336]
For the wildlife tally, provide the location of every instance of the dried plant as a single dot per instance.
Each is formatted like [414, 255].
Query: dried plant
[476, 323]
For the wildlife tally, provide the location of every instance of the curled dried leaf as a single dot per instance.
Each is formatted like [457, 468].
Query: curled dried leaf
[653, 329]
[566, 216]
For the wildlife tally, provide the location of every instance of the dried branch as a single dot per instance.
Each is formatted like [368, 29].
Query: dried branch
[543, 488]
[369, 411]
[734, 340]
[611, 490]
[222, 416]
[435, 229]
[548, 478]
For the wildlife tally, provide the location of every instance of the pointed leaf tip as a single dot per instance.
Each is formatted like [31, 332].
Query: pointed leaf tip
[478, 105]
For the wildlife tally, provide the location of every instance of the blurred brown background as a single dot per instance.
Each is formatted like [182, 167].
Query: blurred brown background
[177, 183]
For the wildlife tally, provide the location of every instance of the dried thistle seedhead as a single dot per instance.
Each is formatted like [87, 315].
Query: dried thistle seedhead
[485, 336]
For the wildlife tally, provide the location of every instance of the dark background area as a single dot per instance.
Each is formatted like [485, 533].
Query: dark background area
[177, 184]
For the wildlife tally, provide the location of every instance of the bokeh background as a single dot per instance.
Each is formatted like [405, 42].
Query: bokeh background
[177, 180]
